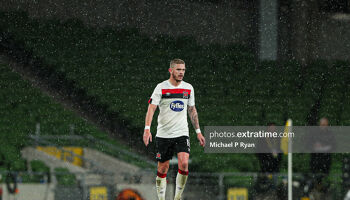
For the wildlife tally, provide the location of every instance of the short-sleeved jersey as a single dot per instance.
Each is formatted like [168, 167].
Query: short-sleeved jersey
[172, 102]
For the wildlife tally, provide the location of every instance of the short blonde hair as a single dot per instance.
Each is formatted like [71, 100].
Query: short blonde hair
[176, 61]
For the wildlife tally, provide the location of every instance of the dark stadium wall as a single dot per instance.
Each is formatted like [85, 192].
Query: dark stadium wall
[305, 32]
[224, 22]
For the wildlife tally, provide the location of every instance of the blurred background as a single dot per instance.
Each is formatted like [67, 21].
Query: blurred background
[76, 77]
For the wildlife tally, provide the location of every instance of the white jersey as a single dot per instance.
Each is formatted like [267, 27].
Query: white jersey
[172, 102]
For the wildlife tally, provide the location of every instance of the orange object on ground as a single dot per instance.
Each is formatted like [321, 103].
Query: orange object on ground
[129, 194]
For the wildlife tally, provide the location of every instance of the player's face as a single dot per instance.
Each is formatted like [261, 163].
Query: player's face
[178, 72]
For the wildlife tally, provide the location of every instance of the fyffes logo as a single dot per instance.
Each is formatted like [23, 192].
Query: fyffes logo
[177, 106]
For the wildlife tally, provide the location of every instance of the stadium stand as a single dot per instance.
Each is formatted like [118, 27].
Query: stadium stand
[23, 107]
[335, 102]
[120, 68]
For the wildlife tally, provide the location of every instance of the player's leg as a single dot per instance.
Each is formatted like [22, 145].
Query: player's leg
[183, 149]
[162, 171]
[163, 167]
[182, 174]
[183, 158]
[164, 154]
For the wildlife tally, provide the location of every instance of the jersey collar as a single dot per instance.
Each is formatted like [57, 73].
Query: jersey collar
[171, 85]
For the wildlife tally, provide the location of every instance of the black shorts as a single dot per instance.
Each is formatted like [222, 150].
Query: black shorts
[166, 147]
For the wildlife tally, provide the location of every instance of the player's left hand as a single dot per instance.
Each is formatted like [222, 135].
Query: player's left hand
[201, 139]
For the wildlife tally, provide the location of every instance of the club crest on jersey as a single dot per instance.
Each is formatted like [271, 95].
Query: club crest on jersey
[177, 106]
[185, 95]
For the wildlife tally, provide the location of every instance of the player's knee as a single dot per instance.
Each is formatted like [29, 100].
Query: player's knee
[184, 165]
[163, 168]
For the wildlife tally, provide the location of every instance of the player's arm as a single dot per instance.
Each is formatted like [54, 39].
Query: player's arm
[192, 112]
[147, 136]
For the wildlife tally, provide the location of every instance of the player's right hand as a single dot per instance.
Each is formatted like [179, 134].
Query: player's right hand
[147, 137]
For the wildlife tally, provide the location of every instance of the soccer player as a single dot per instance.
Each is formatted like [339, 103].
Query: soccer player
[173, 97]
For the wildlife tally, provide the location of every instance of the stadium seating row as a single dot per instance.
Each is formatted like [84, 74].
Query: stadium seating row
[22, 107]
